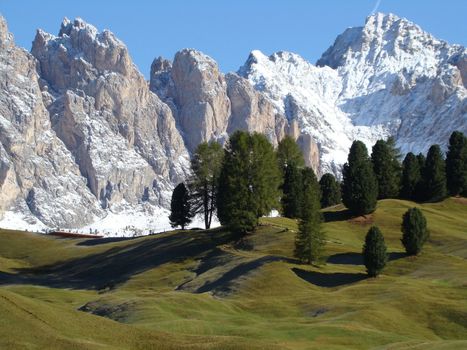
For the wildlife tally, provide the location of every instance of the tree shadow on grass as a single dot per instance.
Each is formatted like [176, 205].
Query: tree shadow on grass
[224, 269]
[99, 241]
[346, 259]
[329, 280]
[116, 265]
[396, 256]
[341, 215]
[357, 258]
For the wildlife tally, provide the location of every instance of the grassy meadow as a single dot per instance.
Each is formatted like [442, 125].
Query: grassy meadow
[206, 290]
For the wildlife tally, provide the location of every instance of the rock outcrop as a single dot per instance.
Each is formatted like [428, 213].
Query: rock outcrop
[209, 105]
[388, 77]
[196, 91]
[123, 138]
[85, 138]
[37, 173]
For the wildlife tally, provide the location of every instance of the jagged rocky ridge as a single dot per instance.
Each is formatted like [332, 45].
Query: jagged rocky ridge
[85, 138]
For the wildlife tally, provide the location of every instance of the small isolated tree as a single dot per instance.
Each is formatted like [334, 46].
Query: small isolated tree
[456, 164]
[374, 252]
[290, 161]
[205, 167]
[414, 231]
[310, 240]
[386, 166]
[180, 208]
[434, 175]
[330, 190]
[359, 189]
[411, 177]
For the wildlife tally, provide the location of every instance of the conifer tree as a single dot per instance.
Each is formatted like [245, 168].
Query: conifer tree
[414, 231]
[384, 157]
[180, 209]
[205, 168]
[456, 164]
[434, 176]
[288, 153]
[330, 190]
[420, 194]
[292, 191]
[290, 161]
[249, 181]
[411, 177]
[374, 252]
[310, 240]
[359, 189]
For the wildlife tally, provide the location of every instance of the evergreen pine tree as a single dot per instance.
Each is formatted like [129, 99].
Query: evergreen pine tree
[310, 240]
[434, 175]
[292, 192]
[456, 164]
[374, 252]
[387, 169]
[180, 212]
[420, 194]
[359, 188]
[288, 153]
[290, 160]
[205, 168]
[249, 181]
[330, 190]
[414, 231]
[411, 177]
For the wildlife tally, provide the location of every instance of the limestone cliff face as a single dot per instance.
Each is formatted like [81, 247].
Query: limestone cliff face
[123, 138]
[37, 173]
[196, 91]
[209, 105]
[83, 135]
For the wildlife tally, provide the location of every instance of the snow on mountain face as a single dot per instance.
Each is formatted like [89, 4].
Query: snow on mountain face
[85, 137]
[386, 78]
[309, 95]
[37, 173]
[86, 142]
[403, 79]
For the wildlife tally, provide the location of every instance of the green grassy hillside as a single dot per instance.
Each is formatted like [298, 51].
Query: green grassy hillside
[203, 290]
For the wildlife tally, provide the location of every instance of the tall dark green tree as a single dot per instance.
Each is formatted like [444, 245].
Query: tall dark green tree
[180, 209]
[420, 194]
[374, 252]
[434, 175]
[310, 240]
[456, 164]
[290, 161]
[386, 166]
[249, 181]
[414, 231]
[292, 191]
[411, 177]
[330, 190]
[359, 188]
[206, 166]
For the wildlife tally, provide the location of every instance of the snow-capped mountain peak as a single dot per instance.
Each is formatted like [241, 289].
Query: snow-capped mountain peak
[86, 139]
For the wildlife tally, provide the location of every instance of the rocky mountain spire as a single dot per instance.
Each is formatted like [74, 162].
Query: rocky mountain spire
[121, 135]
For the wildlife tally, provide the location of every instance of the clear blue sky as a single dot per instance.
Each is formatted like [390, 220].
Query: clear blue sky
[228, 30]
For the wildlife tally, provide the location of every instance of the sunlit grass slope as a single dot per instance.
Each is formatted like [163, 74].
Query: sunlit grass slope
[205, 290]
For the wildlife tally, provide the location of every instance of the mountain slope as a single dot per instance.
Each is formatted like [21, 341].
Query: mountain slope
[386, 78]
[87, 143]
